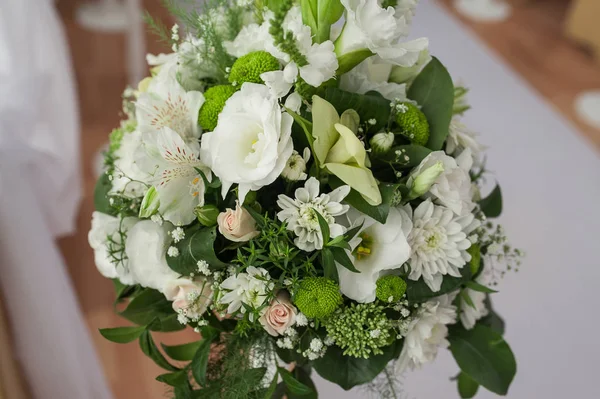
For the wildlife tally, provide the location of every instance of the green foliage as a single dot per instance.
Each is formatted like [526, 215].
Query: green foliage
[475, 262]
[349, 60]
[483, 355]
[433, 90]
[200, 360]
[379, 212]
[294, 386]
[197, 245]
[149, 348]
[412, 123]
[320, 15]
[492, 320]
[405, 156]
[491, 206]
[460, 103]
[175, 379]
[285, 41]
[122, 335]
[348, 371]
[249, 67]
[215, 97]
[392, 287]
[182, 353]
[467, 388]
[418, 291]
[147, 306]
[101, 201]
[318, 297]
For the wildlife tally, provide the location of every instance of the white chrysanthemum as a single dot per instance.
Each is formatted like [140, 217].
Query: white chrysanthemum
[105, 228]
[249, 288]
[376, 248]
[439, 243]
[372, 75]
[295, 167]
[427, 333]
[173, 165]
[128, 179]
[300, 213]
[252, 141]
[470, 314]
[460, 138]
[452, 188]
[146, 248]
[369, 26]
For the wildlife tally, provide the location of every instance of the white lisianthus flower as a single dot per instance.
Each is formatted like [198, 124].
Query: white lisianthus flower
[167, 104]
[470, 314]
[427, 333]
[252, 141]
[452, 187]
[104, 238]
[372, 75]
[128, 179]
[371, 27]
[173, 165]
[300, 213]
[439, 243]
[460, 138]
[295, 167]
[250, 288]
[146, 248]
[376, 248]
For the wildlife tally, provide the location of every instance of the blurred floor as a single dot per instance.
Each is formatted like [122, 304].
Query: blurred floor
[531, 41]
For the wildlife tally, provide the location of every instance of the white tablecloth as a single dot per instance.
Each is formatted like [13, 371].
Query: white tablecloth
[40, 191]
[551, 183]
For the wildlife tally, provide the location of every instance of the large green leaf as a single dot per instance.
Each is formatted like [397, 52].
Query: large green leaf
[302, 375]
[348, 371]
[197, 245]
[491, 205]
[414, 152]
[149, 348]
[433, 90]
[418, 291]
[147, 306]
[319, 15]
[467, 387]
[200, 360]
[292, 384]
[354, 199]
[483, 355]
[368, 106]
[174, 379]
[168, 323]
[122, 335]
[103, 186]
[182, 353]
[492, 320]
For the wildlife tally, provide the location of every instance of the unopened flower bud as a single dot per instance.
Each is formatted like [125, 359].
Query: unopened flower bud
[382, 142]
[150, 203]
[423, 182]
[207, 215]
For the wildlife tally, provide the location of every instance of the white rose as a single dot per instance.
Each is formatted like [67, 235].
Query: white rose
[146, 248]
[190, 297]
[252, 141]
[104, 226]
[237, 225]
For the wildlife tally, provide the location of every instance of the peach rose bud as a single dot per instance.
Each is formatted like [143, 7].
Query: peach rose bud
[279, 316]
[237, 225]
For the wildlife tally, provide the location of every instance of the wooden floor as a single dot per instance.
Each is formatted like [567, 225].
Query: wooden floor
[531, 41]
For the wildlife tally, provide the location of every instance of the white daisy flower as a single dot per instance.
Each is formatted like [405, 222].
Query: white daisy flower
[439, 243]
[301, 218]
[250, 288]
[427, 333]
[295, 168]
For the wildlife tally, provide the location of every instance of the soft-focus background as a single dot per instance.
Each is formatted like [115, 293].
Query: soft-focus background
[526, 73]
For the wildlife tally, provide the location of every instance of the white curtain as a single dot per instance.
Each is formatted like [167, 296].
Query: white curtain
[40, 189]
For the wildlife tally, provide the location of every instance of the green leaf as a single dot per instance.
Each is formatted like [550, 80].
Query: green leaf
[467, 388]
[491, 205]
[122, 335]
[415, 153]
[292, 384]
[368, 106]
[303, 376]
[305, 124]
[324, 226]
[483, 355]
[122, 291]
[341, 256]
[182, 353]
[418, 291]
[197, 245]
[149, 348]
[467, 299]
[328, 263]
[354, 199]
[348, 372]
[348, 61]
[272, 387]
[174, 379]
[319, 15]
[103, 186]
[433, 90]
[478, 287]
[148, 305]
[168, 323]
[492, 320]
[200, 360]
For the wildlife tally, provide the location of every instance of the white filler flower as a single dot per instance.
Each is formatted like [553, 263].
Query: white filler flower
[427, 333]
[460, 138]
[470, 314]
[439, 243]
[248, 288]
[300, 213]
[252, 141]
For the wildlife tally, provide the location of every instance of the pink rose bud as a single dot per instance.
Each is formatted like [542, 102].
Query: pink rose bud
[191, 297]
[279, 316]
[237, 225]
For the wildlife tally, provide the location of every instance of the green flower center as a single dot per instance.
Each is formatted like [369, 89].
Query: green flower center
[365, 248]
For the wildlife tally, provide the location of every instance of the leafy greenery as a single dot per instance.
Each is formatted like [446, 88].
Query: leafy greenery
[319, 15]
[467, 388]
[184, 352]
[491, 205]
[122, 335]
[149, 348]
[197, 245]
[292, 384]
[418, 291]
[379, 212]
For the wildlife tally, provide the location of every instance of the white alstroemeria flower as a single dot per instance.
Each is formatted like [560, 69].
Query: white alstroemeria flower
[167, 104]
[372, 75]
[371, 27]
[470, 314]
[439, 243]
[103, 236]
[376, 248]
[452, 188]
[146, 248]
[252, 141]
[174, 166]
[128, 179]
[295, 167]
[250, 288]
[460, 138]
[427, 333]
[301, 218]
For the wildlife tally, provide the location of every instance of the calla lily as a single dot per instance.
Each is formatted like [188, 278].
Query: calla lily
[340, 152]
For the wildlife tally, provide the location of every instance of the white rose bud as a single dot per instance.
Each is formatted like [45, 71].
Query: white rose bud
[424, 180]
[382, 142]
[190, 296]
[279, 315]
[295, 167]
[237, 225]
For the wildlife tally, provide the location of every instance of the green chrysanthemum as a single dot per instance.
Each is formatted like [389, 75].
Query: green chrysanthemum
[360, 329]
[249, 67]
[318, 297]
[390, 288]
[412, 123]
[215, 97]
[475, 252]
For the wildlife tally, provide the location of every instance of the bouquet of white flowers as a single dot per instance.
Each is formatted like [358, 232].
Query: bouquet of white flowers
[301, 192]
